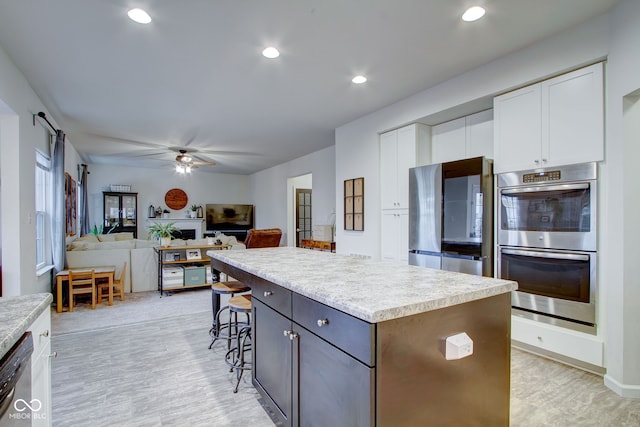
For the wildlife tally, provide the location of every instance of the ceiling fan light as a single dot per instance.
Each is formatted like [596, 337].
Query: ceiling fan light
[179, 169]
[186, 159]
[187, 169]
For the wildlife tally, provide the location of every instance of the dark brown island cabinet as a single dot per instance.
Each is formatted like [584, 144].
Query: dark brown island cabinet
[316, 365]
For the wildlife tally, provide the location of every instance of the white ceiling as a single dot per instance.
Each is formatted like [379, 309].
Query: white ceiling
[126, 93]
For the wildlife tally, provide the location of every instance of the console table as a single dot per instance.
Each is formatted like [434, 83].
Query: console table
[177, 255]
[317, 244]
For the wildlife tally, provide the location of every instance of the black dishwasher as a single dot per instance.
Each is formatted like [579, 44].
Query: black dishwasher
[16, 404]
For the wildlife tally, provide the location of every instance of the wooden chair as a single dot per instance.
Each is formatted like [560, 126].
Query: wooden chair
[117, 284]
[82, 282]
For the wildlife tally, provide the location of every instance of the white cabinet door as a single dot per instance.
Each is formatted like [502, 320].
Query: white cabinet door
[449, 141]
[556, 122]
[406, 159]
[517, 126]
[395, 235]
[403, 236]
[464, 138]
[41, 369]
[572, 121]
[389, 235]
[479, 134]
[388, 169]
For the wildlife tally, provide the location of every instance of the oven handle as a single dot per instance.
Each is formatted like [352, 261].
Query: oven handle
[553, 255]
[580, 186]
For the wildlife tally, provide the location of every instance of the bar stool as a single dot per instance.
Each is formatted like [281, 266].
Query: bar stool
[235, 356]
[217, 289]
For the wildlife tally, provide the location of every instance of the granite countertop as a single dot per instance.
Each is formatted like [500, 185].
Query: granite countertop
[373, 291]
[17, 314]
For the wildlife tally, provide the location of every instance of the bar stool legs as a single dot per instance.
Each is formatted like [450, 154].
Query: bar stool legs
[235, 357]
[217, 329]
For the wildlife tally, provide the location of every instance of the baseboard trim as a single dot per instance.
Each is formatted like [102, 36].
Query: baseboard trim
[624, 390]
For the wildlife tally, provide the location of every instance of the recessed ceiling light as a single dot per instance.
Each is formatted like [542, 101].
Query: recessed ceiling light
[473, 14]
[270, 52]
[359, 79]
[139, 15]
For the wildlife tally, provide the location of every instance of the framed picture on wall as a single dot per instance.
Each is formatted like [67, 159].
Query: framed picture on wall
[70, 203]
[354, 204]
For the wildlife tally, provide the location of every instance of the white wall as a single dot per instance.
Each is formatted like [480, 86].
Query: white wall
[19, 139]
[269, 189]
[621, 233]
[152, 185]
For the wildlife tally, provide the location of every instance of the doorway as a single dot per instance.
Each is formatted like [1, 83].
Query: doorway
[303, 215]
[299, 209]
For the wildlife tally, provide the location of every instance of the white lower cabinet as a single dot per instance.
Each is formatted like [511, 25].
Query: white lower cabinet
[41, 370]
[575, 345]
[395, 235]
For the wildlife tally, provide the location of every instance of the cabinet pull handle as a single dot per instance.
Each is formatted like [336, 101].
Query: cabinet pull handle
[45, 333]
[322, 322]
[536, 161]
[293, 336]
[268, 293]
[53, 355]
[287, 333]
[544, 160]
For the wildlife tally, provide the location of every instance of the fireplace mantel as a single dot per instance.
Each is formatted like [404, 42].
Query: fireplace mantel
[196, 224]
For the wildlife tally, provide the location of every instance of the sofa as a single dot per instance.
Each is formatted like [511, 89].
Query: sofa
[140, 256]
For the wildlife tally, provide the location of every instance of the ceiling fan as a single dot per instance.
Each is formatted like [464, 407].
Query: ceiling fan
[185, 162]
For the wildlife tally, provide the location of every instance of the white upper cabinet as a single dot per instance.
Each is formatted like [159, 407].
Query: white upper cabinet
[463, 138]
[400, 150]
[556, 122]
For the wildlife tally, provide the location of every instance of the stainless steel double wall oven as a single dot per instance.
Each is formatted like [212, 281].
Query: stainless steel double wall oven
[547, 242]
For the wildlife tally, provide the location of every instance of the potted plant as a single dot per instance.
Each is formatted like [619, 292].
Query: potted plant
[192, 210]
[162, 232]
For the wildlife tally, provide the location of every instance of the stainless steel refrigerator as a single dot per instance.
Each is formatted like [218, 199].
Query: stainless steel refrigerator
[451, 216]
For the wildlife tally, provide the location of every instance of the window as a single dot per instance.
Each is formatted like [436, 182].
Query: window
[43, 209]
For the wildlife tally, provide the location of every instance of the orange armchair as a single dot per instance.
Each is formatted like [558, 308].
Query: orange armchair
[265, 238]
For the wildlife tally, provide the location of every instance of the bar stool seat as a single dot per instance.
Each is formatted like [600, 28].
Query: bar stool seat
[235, 356]
[221, 288]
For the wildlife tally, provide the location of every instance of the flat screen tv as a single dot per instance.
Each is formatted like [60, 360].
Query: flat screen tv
[229, 219]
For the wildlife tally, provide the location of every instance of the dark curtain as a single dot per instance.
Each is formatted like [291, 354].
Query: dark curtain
[58, 220]
[84, 201]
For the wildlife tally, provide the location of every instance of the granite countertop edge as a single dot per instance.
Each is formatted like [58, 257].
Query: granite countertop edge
[366, 311]
[17, 314]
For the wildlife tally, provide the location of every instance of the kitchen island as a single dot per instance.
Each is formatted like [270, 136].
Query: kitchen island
[340, 340]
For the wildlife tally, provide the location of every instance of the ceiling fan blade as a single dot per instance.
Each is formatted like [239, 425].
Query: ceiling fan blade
[204, 163]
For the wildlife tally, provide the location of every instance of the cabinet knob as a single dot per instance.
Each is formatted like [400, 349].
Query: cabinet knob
[45, 333]
[322, 322]
[293, 336]
[536, 161]
[268, 293]
[53, 355]
[544, 160]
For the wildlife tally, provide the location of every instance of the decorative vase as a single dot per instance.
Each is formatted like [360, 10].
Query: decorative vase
[165, 215]
[210, 241]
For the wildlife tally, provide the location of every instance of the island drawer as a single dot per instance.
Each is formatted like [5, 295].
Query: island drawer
[272, 295]
[353, 336]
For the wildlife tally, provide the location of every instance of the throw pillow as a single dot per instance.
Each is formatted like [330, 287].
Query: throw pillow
[123, 236]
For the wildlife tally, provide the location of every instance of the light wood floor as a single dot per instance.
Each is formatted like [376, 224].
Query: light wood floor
[160, 372]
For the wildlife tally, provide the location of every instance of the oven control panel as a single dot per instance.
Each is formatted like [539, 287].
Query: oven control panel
[541, 177]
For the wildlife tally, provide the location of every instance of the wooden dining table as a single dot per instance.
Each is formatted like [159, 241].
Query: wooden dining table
[101, 272]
